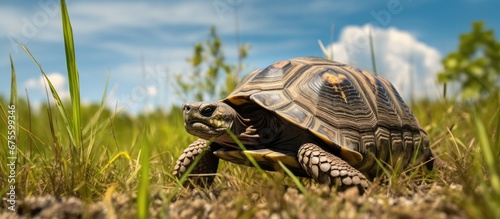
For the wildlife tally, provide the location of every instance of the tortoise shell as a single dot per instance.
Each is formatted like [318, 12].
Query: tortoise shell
[352, 110]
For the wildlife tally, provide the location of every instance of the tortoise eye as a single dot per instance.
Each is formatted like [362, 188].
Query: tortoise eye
[207, 111]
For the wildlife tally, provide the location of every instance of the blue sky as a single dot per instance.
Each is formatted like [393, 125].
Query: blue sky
[410, 37]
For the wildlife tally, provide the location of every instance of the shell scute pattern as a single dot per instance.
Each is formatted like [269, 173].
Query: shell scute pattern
[347, 107]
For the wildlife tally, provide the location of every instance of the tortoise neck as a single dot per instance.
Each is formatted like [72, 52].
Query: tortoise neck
[253, 126]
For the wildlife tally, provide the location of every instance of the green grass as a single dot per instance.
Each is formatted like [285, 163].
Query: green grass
[144, 189]
[92, 152]
[465, 134]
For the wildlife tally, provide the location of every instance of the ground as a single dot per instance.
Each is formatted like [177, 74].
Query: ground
[267, 201]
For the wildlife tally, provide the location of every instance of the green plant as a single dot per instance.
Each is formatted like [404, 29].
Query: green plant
[70, 166]
[476, 63]
[209, 64]
[73, 124]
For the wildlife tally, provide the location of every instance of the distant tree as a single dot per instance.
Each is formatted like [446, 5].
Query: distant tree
[212, 76]
[476, 63]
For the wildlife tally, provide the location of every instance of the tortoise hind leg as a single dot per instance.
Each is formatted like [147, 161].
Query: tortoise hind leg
[327, 168]
[207, 164]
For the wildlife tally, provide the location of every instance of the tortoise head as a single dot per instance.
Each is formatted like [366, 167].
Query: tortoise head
[211, 120]
[208, 120]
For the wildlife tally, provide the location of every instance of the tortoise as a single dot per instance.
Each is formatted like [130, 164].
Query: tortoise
[322, 119]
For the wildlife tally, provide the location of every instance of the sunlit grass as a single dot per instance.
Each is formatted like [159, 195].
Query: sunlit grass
[74, 82]
[458, 134]
[66, 148]
[143, 195]
[13, 85]
[464, 135]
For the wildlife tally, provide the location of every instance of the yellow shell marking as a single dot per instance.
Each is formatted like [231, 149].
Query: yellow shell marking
[335, 81]
[281, 64]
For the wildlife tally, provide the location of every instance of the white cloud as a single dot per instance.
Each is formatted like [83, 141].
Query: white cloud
[57, 79]
[152, 91]
[6, 22]
[38, 22]
[400, 57]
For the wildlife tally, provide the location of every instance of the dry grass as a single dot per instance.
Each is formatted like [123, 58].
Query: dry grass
[103, 162]
[243, 192]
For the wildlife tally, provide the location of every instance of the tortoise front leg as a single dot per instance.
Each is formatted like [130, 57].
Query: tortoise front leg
[207, 164]
[327, 168]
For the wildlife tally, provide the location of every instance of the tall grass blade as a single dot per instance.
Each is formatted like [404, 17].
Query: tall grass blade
[444, 90]
[300, 187]
[180, 182]
[60, 106]
[372, 52]
[488, 155]
[13, 111]
[73, 78]
[96, 127]
[13, 84]
[190, 169]
[328, 54]
[324, 50]
[104, 95]
[144, 188]
[121, 154]
[250, 158]
[30, 125]
[294, 178]
[497, 131]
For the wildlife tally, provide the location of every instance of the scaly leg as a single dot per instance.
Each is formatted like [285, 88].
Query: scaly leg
[207, 164]
[327, 168]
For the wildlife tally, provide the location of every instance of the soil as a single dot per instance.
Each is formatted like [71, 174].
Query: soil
[428, 201]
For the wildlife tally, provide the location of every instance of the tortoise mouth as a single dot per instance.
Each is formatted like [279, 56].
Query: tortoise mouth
[203, 129]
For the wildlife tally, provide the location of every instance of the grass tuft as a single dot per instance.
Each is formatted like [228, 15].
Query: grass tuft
[73, 78]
